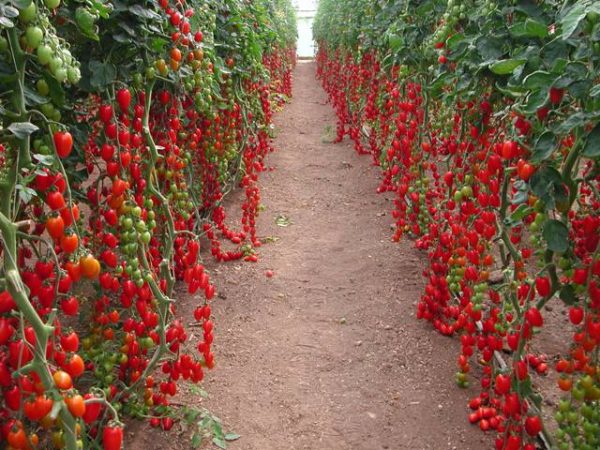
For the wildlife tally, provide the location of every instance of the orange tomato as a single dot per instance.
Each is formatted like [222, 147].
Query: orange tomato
[90, 266]
[62, 380]
[76, 405]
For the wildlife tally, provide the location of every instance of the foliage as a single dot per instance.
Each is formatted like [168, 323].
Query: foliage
[484, 118]
[123, 124]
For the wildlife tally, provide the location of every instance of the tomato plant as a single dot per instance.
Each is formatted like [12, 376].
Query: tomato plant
[484, 119]
[123, 126]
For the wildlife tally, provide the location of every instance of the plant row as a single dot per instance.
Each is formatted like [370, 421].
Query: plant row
[484, 119]
[123, 125]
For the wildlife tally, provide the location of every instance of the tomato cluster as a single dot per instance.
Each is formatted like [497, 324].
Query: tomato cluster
[128, 125]
[496, 180]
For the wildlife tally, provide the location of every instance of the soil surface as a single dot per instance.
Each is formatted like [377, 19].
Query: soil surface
[327, 354]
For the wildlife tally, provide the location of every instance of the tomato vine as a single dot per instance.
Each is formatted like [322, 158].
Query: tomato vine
[484, 118]
[123, 125]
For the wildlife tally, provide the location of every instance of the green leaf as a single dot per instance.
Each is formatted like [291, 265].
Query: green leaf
[571, 20]
[102, 9]
[591, 149]
[539, 79]
[6, 23]
[102, 74]
[518, 214]
[145, 13]
[46, 160]
[547, 184]
[454, 41]
[395, 42]
[506, 66]
[25, 193]
[22, 129]
[219, 442]
[231, 437]
[574, 120]
[32, 98]
[529, 29]
[567, 294]
[86, 22]
[595, 91]
[544, 147]
[21, 4]
[556, 235]
[196, 440]
[536, 100]
[489, 48]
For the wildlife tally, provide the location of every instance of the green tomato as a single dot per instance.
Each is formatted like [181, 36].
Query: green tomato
[467, 191]
[52, 4]
[44, 54]
[42, 87]
[61, 75]
[55, 64]
[73, 75]
[34, 36]
[29, 13]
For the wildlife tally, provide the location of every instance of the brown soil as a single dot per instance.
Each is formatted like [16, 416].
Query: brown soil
[328, 353]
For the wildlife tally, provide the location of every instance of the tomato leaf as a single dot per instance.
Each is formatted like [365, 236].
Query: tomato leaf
[556, 235]
[395, 42]
[231, 437]
[544, 147]
[196, 440]
[528, 29]
[22, 129]
[536, 100]
[538, 79]
[219, 442]
[591, 149]
[506, 66]
[46, 160]
[571, 20]
[102, 74]
[567, 294]
[518, 215]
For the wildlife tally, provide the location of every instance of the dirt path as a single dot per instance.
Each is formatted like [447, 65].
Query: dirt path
[327, 354]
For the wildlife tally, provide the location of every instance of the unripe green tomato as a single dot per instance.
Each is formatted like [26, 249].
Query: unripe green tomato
[73, 75]
[56, 115]
[457, 196]
[61, 75]
[44, 54]
[564, 406]
[137, 80]
[564, 263]
[150, 73]
[467, 191]
[42, 87]
[29, 13]
[55, 64]
[540, 218]
[34, 36]
[52, 4]
[578, 393]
